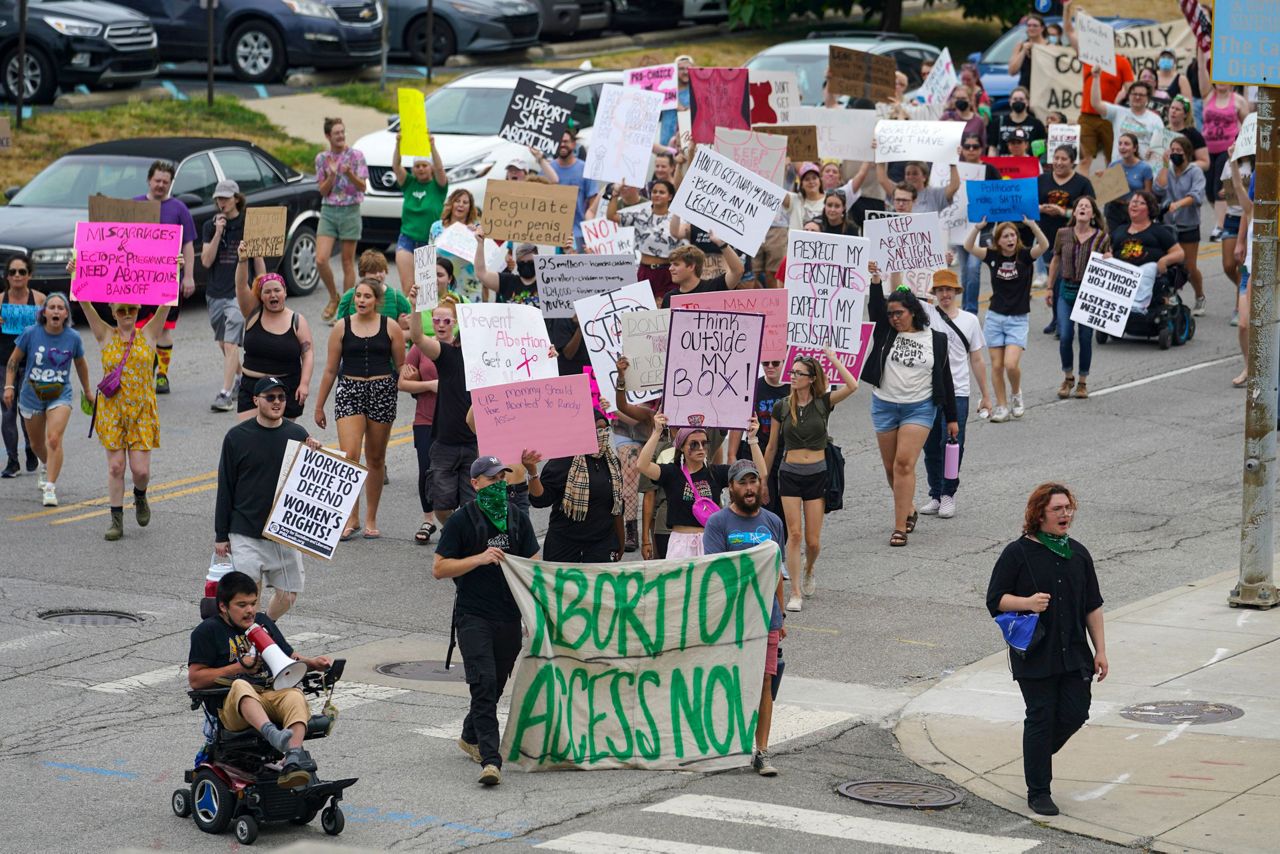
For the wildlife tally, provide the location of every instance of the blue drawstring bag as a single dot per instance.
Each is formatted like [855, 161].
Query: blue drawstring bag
[1021, 630]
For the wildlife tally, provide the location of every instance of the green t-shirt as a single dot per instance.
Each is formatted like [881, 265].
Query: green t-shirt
[394, 304]
[423, 204]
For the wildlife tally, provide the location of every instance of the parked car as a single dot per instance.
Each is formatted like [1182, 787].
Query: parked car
[461, 27]
[562, 20]
[638, 16]
[808, 58]
[41, 217]
[466, 115]
[72, 43]
[706, 11]
[262, 39]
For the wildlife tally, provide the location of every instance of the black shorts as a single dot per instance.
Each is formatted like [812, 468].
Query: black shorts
[292, 409]
[807, 487]
[1191, 235]
[146, 312]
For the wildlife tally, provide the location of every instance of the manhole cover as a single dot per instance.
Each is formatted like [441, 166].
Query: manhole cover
[424, 671]
[897, 793]
[1181, 712]
[76, 617]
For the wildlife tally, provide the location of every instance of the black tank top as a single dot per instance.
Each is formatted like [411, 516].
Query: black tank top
[270, 354]
[366, 357]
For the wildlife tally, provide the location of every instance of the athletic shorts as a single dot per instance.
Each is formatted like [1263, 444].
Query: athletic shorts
[146, 312]
[292, 409]
[806, 481]
[374, 399]
[226, 320]
[887, 417]
[1006, 330]
[340, 221]
[268, 563]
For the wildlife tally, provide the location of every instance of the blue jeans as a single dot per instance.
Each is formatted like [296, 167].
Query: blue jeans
[1064, 337]
[970, 280]
[935, 448]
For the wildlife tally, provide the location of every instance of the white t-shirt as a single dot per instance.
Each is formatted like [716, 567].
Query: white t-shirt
[1148, 128]
[956, 354]
[908, 371]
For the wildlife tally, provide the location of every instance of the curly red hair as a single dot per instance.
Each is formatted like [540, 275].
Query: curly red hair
[1038, 502]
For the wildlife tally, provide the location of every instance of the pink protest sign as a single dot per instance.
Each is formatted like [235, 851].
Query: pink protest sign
[662, 79]
[713, 358]
[127, 262]
[718, 97]
[770, 303]
[552, 416]
[852, 361]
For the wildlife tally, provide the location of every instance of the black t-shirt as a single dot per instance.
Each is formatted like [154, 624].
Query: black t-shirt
[702, 239]
[1010, 282]
[705, 286]
[710, 481]
[1144, 247]
[858, 210]
[483, 591]
[1193, 136]
[1065, 196]
[216, 643]
[511, 288]
[599, 525]
[247, 472]
[222, 274]
[561, 330]
[998, 132]
[766, 396]
[452, 401]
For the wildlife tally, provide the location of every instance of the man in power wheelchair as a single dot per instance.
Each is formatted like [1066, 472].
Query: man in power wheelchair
[253, 767]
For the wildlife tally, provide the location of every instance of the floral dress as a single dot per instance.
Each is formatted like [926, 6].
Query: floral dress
[129, 420]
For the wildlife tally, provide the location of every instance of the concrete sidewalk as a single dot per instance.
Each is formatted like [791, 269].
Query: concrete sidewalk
[303, 115]
[1181, 786]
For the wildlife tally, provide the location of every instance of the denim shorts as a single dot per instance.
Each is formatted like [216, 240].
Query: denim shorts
[1006, 330]
[405, 243]
[886, 416]
[1244, 280]
[29, 406]
[1230, 226]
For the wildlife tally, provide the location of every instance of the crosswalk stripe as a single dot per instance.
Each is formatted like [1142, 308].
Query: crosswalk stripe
[347, 695]
[590, 842]
[151, 678]
[846, 827]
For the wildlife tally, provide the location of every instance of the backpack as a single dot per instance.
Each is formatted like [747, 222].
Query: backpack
[835, 478]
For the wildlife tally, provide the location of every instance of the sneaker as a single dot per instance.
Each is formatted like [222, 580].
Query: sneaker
[472, 750]
[1051, 328]
[1000, 416]
[162, 384]
[794, 604]
[1215, 235]
[1198, 311]
[42, 476]
[948, 508]
[810, 584]
[33, 462]
[297, 770]
[1018, 408]
[50, 497]
[1235, 317]
[13, 469]
[222, 403]
[930, 509]
[491, 775]
[984, 414]
[760, 762]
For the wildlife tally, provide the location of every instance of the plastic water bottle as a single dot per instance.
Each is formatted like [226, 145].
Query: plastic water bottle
[951, 460]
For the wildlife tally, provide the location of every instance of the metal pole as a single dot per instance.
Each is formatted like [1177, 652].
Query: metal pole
[382, 72]
[210, 5]
[22, 59]
[1257, 549]
[431, 36]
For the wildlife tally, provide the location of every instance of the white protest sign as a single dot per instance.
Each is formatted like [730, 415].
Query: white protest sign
[907, 242]
[622, 137]
[604, 237]
[504, 343]
[842, 134]
[955, 217]
[663, 79]
[424, 276]
[732, 202]
[763, 153]
[713, 358]
[600, 318]
[827, 282]
[774, 94]
[564, 279]
[644, 343]
[684, 129]
[932, 142]
[1059, 135]
[1247, 140]
[941, 81]
[460, 242]
[1095, 42]
[1106, 294]
[319, 492]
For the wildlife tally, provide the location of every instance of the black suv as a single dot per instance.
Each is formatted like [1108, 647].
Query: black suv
[73, 42]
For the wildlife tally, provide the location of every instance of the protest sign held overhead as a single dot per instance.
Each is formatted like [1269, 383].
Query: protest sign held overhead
[319, 492]
[842, 134]
[537, 116]
[1244, 36]
[772, 303]
[663, 79]
[1247, 139]
[718, 98]
[860, 74]
[826, 286]
[264, 232]
[550, 415]
[802, 140]
[1106, 294]
[127, 262]
[907, 242]
[106, 209]
[605, 237]
[1059, 135]
[1111, 184]
[955, 216]
[1095, 42]
[600, 318]
[721, 197]
[644, 343]
[503, 343]
[934, 142]
[713, 358]
[678, 683]
[774, 94]
[424, 276]
[1014, 167]
[763, 154]
[415, 138]
[995, 201]
[526, 212]
[564, 279]
[626, 124]
[854, 361]
[942, 80]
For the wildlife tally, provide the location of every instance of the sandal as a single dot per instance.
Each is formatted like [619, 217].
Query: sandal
[371, 534]
[899, 538]
[347, 534]
[911, 521]
[425, 532]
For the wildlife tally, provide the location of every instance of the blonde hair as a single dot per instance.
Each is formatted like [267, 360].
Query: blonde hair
[691, 255]
[446, 216]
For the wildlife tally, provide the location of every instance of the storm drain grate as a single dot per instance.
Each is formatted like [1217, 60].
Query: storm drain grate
[898, 793]
[79, 617]
[423, 671]
[1173, 712]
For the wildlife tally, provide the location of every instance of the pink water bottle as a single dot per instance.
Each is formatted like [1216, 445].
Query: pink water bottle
[951, 460]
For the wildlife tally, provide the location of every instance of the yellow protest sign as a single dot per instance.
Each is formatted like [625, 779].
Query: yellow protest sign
[415, 139]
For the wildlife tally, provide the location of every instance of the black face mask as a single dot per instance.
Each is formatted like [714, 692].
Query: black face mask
[1018, 106]
[962, 105]
[525, 269]
[1177, 159]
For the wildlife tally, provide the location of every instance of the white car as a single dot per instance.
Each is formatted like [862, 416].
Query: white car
[465, 117]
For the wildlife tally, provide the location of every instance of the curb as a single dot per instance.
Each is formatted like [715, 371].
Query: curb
[300, 79]
[78, 101]
[585, 47]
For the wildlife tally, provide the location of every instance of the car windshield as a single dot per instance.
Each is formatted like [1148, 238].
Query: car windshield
[69, 181]
[468, 110]
[810, 69]
[1002, 49]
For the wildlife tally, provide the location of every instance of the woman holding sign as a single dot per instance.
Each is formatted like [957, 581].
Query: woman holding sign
[424, 185]
[585, 497]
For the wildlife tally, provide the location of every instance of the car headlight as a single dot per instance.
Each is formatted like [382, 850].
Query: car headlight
[53, 256]
[469, 171]
[310, 9]
[477, 9]
[74, 27]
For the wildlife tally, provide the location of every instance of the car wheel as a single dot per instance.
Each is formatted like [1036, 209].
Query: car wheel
[446, 43]
[301, 276]
[41, 82]
[256, 53]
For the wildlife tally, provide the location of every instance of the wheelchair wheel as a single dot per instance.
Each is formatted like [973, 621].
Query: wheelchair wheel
[246, 830]
[332, 820]
[181, 803]
[1165, 338]
[211, 802]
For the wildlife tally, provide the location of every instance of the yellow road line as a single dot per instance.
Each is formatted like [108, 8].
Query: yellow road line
[204, 487]
[98, 502]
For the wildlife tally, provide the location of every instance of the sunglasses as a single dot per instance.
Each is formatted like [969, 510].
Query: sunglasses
[795, 373]
[124, 309]
[771, 364]
[697, 445]
[899, 313]
[273, 398]
[21, 272]
[971, 147]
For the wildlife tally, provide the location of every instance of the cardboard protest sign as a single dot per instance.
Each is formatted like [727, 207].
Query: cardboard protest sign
[764, 154]
[942, 80]
[718, 98]
[675, 686]
[955, 216]
[1095, 42]
[127, 262]
[842, 134]
[6, 134]
[600, 318]
[537, 116]
[719, 196]
[1111, 184]
[774, 94]
[603, 236]
[907, 242]
[713, 358]
[826, 286]
[663, 79]
[1059, 135]
[854, 360]
[106, 209]
[644, 343]
[1014, 167]
[503, 343]
[996, 201]
[264, 232]
[1247, 139]
[934, 142]
[772, 303]
[532, 213]
[415, 138]
[564, 279]
[802, 140]
[1106, 294]
[626, 124]
[552, 416]
[319, 492]
[424, 276]
[860, 74]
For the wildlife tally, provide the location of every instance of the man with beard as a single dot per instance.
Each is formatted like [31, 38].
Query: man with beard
[742, 525]
[572, 172]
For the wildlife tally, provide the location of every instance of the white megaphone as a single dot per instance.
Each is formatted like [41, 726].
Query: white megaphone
[285, 671]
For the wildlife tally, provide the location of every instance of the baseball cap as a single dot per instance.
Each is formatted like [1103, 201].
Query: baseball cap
[1019, 134]
[526, 249]
[945, 279]
[226, 189]
[521, 161]
[265, 385]
[742, 468]
[488, 467]
[807, 167]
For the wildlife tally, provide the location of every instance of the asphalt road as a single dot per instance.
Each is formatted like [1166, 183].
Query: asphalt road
[95, 730]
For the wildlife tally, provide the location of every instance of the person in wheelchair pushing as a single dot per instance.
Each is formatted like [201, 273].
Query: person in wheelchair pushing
[221, 654]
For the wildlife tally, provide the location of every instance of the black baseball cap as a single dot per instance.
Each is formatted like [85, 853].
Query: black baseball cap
[265, 385]
[488, 467]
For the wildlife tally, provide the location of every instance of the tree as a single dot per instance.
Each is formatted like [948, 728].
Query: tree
[768, 13]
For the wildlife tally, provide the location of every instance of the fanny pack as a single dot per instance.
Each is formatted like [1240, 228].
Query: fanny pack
[1021, 629]
[111, 383]
[46, 392]
[703, 508]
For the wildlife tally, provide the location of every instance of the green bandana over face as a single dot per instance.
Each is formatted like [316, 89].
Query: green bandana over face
[1061, 546]
[492, 501]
